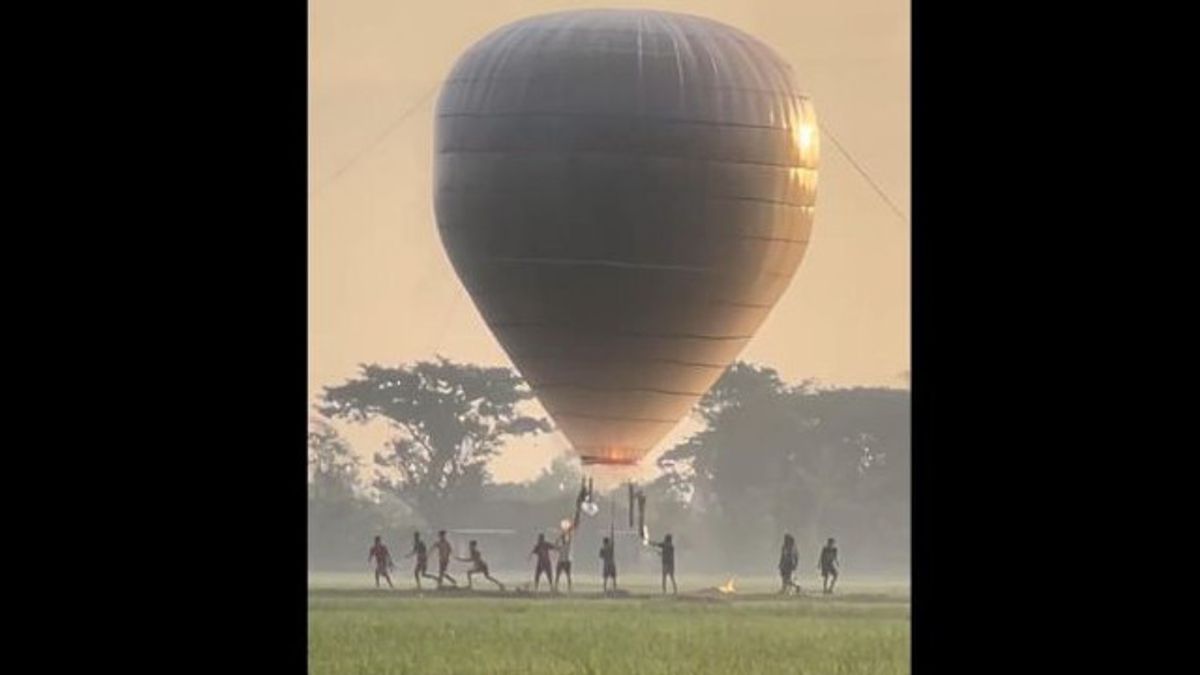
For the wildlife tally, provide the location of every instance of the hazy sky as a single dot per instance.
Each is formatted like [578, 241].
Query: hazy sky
[382, 290]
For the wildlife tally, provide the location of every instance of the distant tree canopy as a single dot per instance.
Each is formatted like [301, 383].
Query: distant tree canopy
[450, 420]
[332, 465]
[776, 457]
[561, 477]
[340, 516]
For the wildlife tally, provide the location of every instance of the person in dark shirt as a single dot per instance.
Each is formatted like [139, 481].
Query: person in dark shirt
[789, 560]
[420, 569]
[479, 567]
[829, 566]
[444, 550]
[608, 554]
[383, 561]
[542, 550]
[667, 551]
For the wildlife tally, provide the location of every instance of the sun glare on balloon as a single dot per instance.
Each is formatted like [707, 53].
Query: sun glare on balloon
[805, 139]
[804, 136]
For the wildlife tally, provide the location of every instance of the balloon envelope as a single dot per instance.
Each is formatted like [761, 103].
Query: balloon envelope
[625, 195]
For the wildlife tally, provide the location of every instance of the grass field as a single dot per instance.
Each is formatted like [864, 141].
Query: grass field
[354, 628]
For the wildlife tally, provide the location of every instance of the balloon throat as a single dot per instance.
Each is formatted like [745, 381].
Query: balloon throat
[590, 460]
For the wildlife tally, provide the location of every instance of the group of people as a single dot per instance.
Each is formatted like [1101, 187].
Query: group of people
[789, 562]
[384, 564]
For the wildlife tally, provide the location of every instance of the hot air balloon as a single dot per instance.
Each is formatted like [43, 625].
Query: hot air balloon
[625, 195]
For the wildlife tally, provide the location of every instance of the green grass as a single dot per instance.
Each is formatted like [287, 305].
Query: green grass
[354, 628]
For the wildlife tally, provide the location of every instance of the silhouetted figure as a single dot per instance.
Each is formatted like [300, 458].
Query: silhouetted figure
[542, 550]
[789, 560]
[583, 495]
[667, 551]
[420, 569]
[829, 566]
[641, 506]
[444, 550]
[608, 553]
[383, 561]
[631, 502]
[563, 545]
[480, 567]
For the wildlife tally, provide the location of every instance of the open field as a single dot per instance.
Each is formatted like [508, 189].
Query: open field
[354, 628]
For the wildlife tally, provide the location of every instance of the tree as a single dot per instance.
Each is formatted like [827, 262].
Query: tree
[776, 457]
[744, 404]
[332, 465]
[852, 456]
[340, 517]
[558, 481]
[450, 419]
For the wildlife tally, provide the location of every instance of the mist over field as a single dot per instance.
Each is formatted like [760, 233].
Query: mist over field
[770, 457]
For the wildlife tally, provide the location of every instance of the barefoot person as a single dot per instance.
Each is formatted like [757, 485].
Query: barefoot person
[608, 554]
[421, 566]
[542, 550]
[383, 561]
[563, 545]
[478, 567]
[789, 560]
[444, 549]
[667, 551]
[829, 566]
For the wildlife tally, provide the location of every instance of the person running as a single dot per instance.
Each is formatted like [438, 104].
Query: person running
[563, 545]
[420, 569]
[444, 549]
[608, 553]
[480, 567]
[383, 561]
[789, 560]
[829, 566]
[542, 550]
[667, 551]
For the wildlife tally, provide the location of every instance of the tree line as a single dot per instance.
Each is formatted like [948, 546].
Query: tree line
[771, 457]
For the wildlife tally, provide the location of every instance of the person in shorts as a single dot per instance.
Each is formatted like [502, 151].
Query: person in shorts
[789, 560]
[420, 569]
[563, 545]
[829, 566]
[666, 549]
[383, 561]
[478, 566]
[444, 549]
[608, 554]
[542, 551]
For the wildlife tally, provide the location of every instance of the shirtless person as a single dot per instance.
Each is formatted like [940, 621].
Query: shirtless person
[383, 561]
[542, 550]
[564, 557]
[480, 567]
[422, 565]
[443, 549]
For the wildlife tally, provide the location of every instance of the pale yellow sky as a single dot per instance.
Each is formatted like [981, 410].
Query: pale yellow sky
[382, 290]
